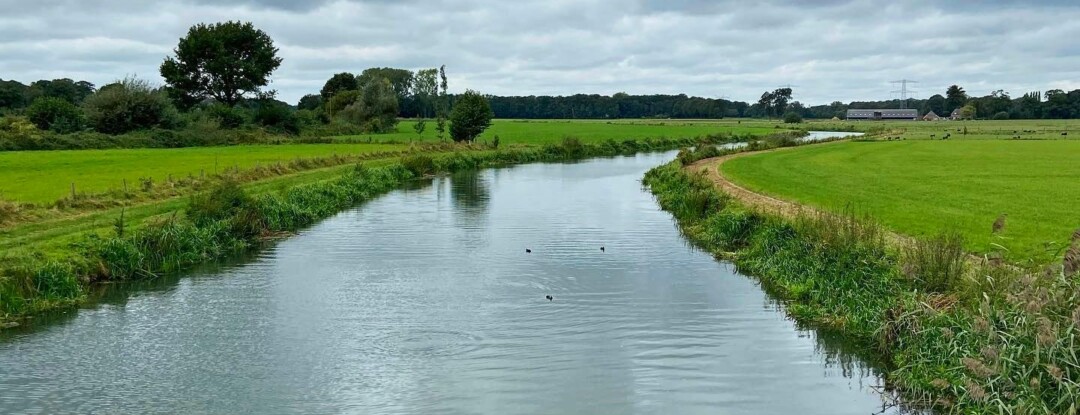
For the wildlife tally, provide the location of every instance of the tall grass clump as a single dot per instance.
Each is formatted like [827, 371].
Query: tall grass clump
[936, 264]
[961, 336]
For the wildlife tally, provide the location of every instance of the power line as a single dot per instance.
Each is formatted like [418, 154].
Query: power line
[904, 91]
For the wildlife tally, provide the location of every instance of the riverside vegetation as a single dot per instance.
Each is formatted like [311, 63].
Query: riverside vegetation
[959, 334]
[227, 219]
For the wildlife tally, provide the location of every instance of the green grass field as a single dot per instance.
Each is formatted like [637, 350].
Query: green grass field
[45, 176]
[553, 131]
[924, 187]
[976, 130]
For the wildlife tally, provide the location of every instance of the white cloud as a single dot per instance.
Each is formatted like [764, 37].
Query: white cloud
[833, 50]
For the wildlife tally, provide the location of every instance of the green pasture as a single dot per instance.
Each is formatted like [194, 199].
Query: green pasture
[45, 176]
[922, 187]
[975, 130]
[553, 131]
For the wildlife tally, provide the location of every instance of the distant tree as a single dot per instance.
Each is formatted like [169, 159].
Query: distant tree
[766, 103]
[955, 97]
[276, 116]
[1057, 104]
[792, 117]
[419, 127]
[401, 80]
[309, 102]
[781, 97]
[223, 61]
[425, 90]
[339, 82]
[375, 109]
[128, 105]
[470, 117]
[936, 103]
[441, 104]
[341, 100]
[66, 89]
[13, 94]
[56, 114]
[968, 112]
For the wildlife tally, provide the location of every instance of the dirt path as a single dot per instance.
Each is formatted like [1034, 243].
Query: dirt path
[710, 167]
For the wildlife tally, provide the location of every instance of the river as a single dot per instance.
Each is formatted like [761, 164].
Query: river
[424, 301]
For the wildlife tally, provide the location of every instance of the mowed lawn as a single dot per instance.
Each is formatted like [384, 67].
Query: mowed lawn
[45, 176]
[532, 132]
[925, 187]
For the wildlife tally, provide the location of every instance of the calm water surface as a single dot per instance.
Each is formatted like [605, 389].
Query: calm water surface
[425, 302]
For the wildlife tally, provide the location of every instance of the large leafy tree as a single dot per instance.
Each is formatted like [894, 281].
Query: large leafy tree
[375, 107]
[955, 97]
[401, 80]
[223, 61]
[128, 105]
[470, 117]
[339, 82]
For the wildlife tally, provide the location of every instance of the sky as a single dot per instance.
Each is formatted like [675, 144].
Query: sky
[828, 50]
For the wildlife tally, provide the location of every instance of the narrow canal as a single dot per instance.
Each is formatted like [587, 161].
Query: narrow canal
[425, 301]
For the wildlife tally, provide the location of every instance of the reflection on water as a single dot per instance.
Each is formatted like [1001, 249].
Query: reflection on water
[424, 301]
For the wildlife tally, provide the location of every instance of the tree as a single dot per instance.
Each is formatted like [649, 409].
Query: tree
[66, 89]
[441, 104]
[223, 61]
[401, 80]
[419, 127]
[955, 97]
[310, 102]
[339, 82]
[425, 89]
[470, 117]
[56, 114]
[792, 117]
[128, 105]
[967, 112]
[766, 103]
[375, 108]
[936, 103]
[13, 94]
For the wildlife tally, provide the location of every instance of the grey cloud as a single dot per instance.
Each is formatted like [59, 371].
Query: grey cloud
[834, 49]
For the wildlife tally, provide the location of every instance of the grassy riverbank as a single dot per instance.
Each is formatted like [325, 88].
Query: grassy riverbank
[961, 336]
[177, 233]
[922, 187]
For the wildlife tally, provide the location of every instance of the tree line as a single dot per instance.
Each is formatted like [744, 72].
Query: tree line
[215, 81]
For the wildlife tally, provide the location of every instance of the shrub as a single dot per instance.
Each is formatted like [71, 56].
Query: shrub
[375, 108]
[227, 202]
[226, 116]
[1001, 116]
[56, 114]
[418, 164]
[277, 117]
[792, 118]
[129, 105]
[470, 117]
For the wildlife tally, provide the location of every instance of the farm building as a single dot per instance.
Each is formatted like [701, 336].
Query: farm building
[931, 116]
[883, 114]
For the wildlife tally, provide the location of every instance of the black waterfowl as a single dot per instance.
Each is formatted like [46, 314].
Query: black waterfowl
[602, 249]
[549, 297]
[528, 251]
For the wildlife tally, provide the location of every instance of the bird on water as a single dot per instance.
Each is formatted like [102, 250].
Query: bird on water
[528, 251]
[549, 297]
[602, 249]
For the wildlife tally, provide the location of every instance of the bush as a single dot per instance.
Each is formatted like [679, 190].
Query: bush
[226, 116]
[129, 105]
[418, 164]
[375, 108]
[792, 118]
[470, 117]
[1001, 116]
[227, 202]
[277, 117]
[55, 114]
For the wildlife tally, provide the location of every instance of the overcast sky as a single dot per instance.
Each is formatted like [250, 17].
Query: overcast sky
[830, 50]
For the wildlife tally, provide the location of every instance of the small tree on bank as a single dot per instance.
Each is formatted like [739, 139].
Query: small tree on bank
[471, 116]
[223, 61]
